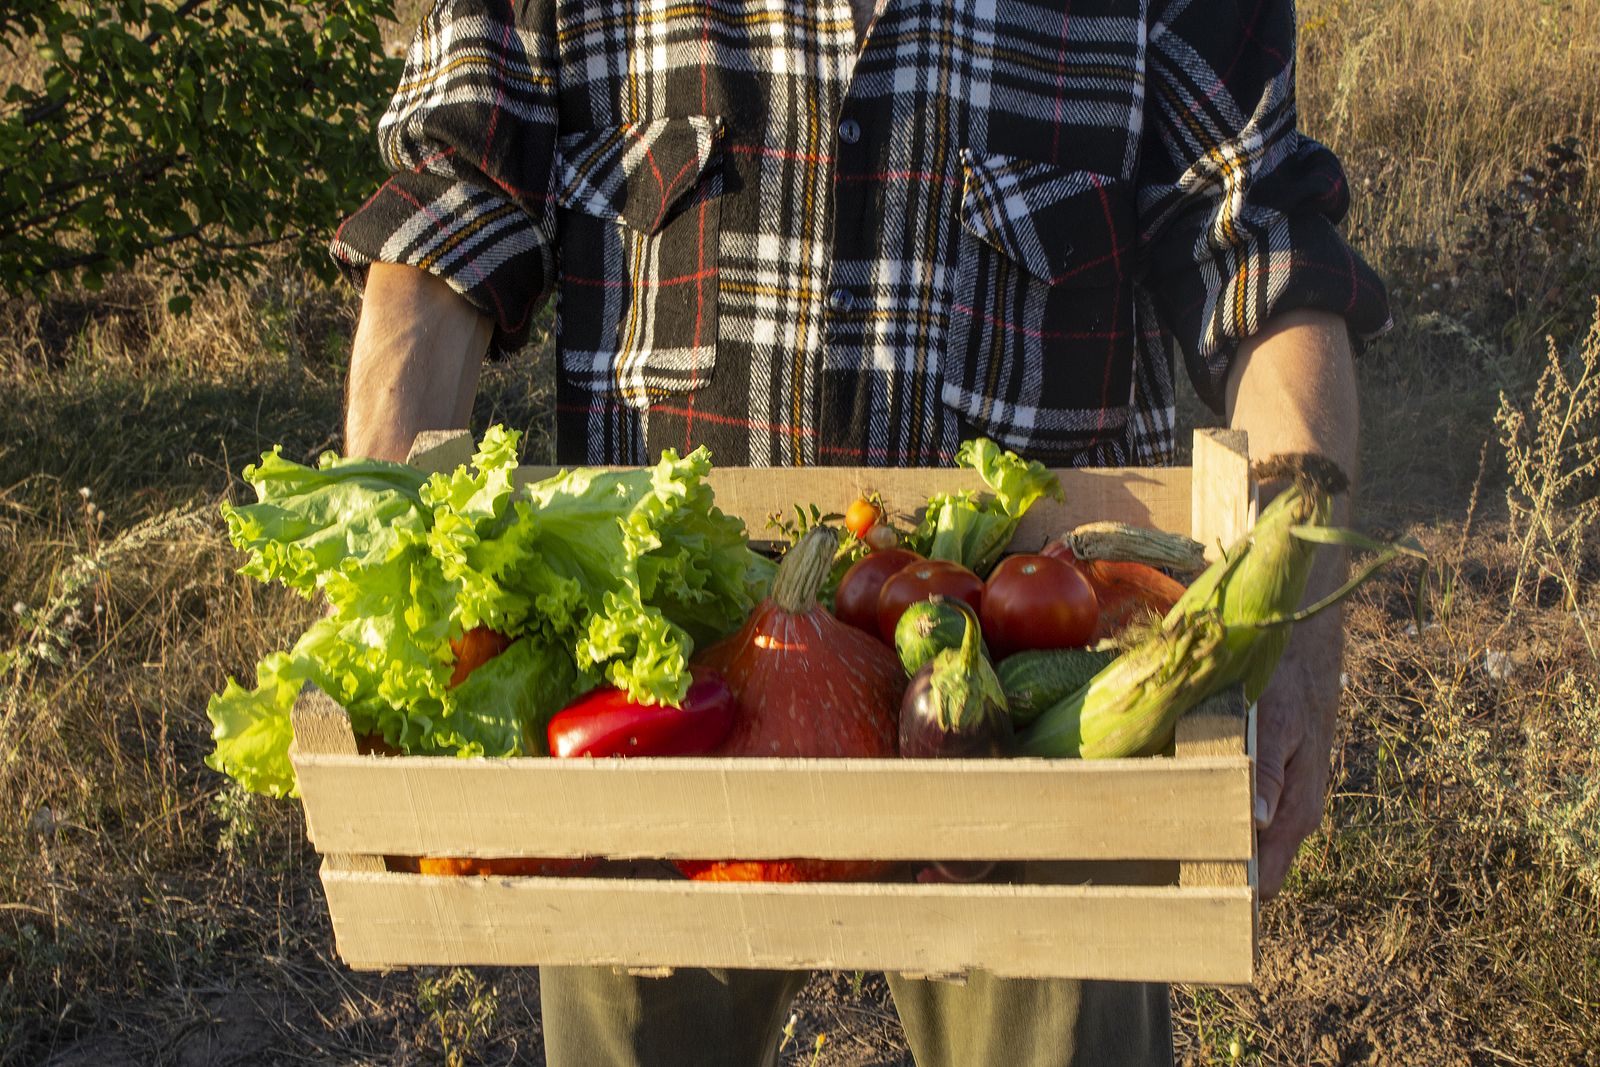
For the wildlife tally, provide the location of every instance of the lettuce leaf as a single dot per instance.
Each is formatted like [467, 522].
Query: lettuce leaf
[309, 521]
[251, 727]
[503, 707]
[973, 528]
[596, 575]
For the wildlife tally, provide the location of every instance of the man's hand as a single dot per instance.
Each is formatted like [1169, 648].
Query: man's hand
[414, 366]
[1295, 719]
[1293, 389]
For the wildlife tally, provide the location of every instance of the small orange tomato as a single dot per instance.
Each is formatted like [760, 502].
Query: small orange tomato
[861, 516]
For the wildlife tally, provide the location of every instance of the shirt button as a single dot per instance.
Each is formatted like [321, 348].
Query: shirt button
[841, 300]
[849, 131]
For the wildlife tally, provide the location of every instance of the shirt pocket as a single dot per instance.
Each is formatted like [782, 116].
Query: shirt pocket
[1039, 352]
[638, 217]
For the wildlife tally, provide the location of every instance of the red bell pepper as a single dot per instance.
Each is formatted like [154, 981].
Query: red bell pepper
[604, 722]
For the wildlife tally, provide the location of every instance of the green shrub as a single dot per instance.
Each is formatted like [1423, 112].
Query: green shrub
[195, 135]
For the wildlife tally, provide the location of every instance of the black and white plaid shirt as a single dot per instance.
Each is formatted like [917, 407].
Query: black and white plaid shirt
[994, 216]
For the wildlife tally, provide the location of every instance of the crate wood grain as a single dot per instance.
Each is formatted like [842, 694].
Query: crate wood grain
[1147, 865]
[1159, 497]
[1124, 933]
[686, 808]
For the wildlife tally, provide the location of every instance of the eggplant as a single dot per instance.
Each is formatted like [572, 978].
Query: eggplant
[954, 708]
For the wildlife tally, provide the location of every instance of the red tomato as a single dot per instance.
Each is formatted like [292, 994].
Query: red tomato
[474, 648]
[861, 516]
[856, 601]
[1037, 602]
[934, 577]
[1126, 592]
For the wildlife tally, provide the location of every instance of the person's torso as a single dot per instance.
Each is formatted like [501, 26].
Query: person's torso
[750, 207]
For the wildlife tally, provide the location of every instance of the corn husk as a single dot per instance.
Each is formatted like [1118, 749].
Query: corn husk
[1120, 542]
[1229, 628]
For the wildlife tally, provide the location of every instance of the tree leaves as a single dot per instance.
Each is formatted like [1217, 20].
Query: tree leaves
[192, 134]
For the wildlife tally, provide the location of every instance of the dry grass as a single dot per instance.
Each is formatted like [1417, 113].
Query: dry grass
[1418, 96]
[1449, 913]
[1435, 106]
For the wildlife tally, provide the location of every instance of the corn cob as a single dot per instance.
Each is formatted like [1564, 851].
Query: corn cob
[1229, 628]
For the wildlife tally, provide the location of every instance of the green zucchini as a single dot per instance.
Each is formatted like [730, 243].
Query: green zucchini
[1035, 680]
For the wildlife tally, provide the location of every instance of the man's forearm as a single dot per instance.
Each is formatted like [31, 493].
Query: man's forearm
[1293, 389]
[414, 365]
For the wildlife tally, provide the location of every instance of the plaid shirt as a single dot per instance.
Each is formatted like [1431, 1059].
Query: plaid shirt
[993, 216]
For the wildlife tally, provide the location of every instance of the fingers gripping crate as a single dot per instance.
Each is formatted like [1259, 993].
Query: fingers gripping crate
[1139, 869]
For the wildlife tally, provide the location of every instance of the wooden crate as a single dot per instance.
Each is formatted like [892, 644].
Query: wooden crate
[1137, 869]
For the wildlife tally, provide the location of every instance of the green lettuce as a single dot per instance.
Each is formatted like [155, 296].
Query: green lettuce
[972, 528]
[309, 521]
[596, 575]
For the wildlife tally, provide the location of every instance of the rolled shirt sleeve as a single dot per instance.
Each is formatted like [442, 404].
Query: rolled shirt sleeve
[470, 136]
[1238, 211]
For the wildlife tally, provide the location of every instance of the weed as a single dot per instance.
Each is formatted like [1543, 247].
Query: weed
[462, 1009]
[1553, 454]
[788, 1031]
[236, 808]
[47, 633]
[1219, 1036]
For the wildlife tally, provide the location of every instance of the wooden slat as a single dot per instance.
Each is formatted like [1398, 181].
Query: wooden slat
[1156, 497]
[1223, 496]
[321, 727]
[1122, 933]
[441, 450]
[758, 808]
[1161, 497]
[1219, 730]
[1215, 730]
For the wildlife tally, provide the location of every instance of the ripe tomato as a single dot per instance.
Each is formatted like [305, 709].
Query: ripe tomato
[861, 516]
[856, 601]
[934, 577]
[474, 648]
[1126, 592]
[1037, 602]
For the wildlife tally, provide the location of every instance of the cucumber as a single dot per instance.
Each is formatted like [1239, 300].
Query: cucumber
[926, 629]
[1035, 680]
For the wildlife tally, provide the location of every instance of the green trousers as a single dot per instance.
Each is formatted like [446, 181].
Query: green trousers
[596, 1017]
